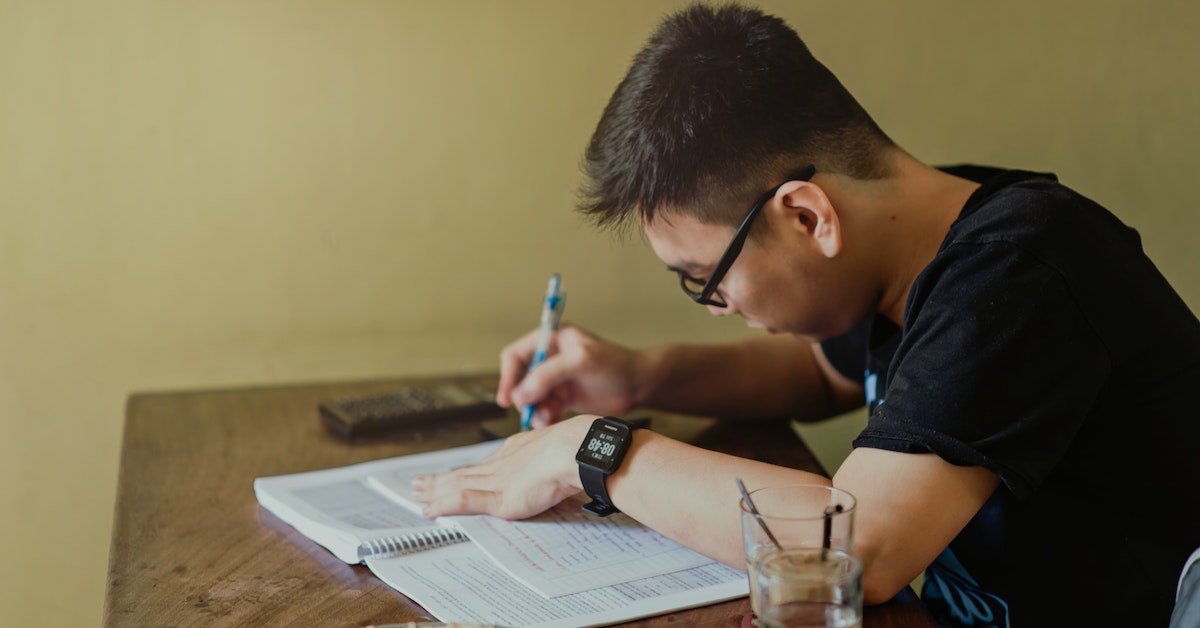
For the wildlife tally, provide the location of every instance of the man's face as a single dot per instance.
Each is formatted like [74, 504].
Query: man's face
[774, 283]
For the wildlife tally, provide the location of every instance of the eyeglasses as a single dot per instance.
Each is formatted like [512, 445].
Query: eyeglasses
[705, 292]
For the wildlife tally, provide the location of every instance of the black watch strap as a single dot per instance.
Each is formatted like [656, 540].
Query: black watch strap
[597, 491]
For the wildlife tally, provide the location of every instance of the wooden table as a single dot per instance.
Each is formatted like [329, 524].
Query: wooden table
[191, 546]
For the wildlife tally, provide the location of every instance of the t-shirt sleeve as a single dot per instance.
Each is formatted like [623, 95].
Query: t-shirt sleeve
[997, 368]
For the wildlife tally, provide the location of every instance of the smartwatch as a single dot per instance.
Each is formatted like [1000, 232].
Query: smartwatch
[599, 456]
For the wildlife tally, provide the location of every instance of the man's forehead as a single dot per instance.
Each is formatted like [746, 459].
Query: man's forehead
[685, 243]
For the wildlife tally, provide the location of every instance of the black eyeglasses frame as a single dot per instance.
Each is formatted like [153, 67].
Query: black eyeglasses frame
[708, 294]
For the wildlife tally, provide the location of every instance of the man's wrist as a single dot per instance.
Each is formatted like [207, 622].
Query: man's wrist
[574, 430]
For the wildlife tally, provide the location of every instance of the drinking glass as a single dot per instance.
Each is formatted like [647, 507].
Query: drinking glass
[809, 588]
[799, 516]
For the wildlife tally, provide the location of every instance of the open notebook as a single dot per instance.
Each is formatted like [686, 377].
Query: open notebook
[561, 568]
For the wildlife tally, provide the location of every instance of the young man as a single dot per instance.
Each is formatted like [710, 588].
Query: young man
[1026, 366]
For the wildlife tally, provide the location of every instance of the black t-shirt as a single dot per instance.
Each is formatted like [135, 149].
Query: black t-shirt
[1042, 344]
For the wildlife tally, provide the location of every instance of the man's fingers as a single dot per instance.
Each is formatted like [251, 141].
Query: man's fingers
[539, 383]
[514, 362]
[448, 494]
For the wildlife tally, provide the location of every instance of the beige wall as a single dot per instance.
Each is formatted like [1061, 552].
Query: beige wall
[197, 194]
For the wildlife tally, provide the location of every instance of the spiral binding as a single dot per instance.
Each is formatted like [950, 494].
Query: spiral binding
[409, 543]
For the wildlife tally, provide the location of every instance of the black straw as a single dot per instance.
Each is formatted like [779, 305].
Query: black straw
[827, 538]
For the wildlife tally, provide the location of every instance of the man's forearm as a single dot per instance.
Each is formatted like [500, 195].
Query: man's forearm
[690, 495]
[758, 377]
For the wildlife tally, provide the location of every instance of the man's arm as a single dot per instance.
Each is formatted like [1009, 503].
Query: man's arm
[766, 376]
[910, 506]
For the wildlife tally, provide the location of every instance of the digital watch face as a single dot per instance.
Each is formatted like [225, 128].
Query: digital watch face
[601, 447]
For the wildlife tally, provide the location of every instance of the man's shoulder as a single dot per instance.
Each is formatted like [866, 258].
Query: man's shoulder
[993, 180]
[1037, 213]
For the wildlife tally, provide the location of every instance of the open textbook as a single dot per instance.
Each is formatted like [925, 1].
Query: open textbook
[561, 568]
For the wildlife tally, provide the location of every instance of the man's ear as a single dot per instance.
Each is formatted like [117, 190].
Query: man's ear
[805, 207]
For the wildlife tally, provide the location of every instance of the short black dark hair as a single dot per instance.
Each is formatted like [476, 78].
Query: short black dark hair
[719, 103]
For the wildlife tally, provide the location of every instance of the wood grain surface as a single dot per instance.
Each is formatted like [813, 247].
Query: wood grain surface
[192, 547]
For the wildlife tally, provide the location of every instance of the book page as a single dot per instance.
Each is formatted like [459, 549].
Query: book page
[339, 509]
[460, 584]
[355, 504]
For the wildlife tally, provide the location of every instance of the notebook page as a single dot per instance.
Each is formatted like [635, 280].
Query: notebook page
[565, 550]
[353, 503]
[338, 508]
[460, 584]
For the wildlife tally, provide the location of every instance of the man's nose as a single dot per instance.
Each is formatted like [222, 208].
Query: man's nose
[718, 310]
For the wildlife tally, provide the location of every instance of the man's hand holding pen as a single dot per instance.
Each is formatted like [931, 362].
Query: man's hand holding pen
[552, 369]
[581, 372]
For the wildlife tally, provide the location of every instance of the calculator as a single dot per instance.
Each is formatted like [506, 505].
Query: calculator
[406, 406]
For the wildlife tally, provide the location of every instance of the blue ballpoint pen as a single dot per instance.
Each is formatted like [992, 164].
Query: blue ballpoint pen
[552, 310]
